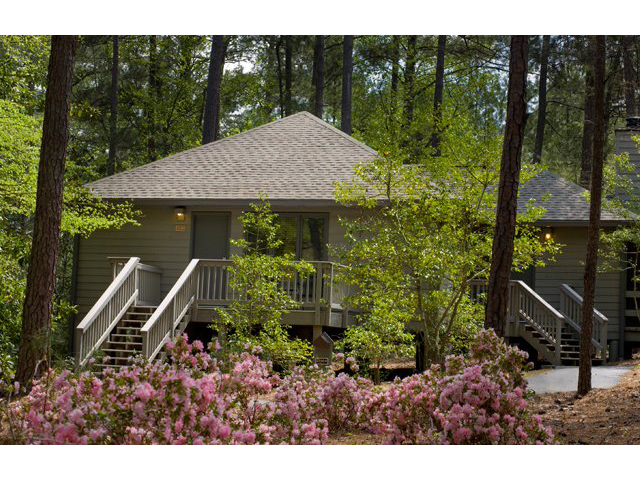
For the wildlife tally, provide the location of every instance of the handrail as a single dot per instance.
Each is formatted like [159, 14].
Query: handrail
[95, 327]
[162, 324]
[536, 312]
[571, 303]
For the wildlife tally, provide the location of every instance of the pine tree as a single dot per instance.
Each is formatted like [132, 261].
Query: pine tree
[586, 328]
[34, 350]
[503, 239]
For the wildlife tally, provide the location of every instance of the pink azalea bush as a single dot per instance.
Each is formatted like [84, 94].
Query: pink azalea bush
[198, 399]
[479, 400]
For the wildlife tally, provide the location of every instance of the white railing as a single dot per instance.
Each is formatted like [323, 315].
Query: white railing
[95, 327]
[527, 306]
[162, 325]
[206, 283]
[538, 313]
[571, 305]
[148, 282]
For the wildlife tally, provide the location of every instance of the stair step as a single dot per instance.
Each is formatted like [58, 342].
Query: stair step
[126, 335]
[116, 344]
[128, 331]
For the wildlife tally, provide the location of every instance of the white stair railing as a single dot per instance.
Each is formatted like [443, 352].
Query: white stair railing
[162, 325]
[96, 326]
[526, 306]
[571, 305]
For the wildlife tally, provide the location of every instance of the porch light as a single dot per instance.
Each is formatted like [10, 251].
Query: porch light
[547, 232]
[180, 215]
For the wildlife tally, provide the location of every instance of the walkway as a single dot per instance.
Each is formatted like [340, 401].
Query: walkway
[565, 379]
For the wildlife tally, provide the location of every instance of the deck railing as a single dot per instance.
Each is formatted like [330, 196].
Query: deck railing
[95, 327]
[571, 305]
[206, 283]
[162, 325]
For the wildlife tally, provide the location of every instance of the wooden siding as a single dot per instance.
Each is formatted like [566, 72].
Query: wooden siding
[569, 268]
[157, 243]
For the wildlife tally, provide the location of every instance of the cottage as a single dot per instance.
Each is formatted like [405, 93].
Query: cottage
[138, 286]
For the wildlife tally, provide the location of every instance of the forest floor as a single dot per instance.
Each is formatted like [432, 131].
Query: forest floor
[605, 416]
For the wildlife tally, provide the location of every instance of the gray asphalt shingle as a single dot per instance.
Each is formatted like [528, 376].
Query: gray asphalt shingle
[295, 158]
[299, 157]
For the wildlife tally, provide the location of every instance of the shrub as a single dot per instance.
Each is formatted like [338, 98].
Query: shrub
[197, 398]
[479, 400]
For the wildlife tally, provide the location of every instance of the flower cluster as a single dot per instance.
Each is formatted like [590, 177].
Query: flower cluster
[196, 398]
[479, 400]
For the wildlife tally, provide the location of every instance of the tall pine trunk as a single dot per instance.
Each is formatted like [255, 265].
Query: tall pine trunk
[280, 87]
[409, 81]
[347, 75]
[587, 125]
[153, 98]
[34, 350]
[318, 76]
[395, 64]
[288, 73]
[113, 120]
[628, 75]
[211, 123]
[503, 239]
[584, 371]
[542, 99]
[437, 97]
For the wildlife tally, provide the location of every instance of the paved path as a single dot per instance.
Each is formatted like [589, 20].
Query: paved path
[565, 379]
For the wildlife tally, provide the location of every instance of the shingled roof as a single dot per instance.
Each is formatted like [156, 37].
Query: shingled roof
[297, 158]
[565, 202]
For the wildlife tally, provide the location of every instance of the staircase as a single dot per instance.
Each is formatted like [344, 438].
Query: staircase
[569, 345]
[554, 334]
[125, 340]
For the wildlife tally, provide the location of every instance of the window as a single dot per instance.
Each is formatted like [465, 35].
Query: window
[304, 235]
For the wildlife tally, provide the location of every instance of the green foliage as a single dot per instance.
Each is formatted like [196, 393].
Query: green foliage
[379, 335]
[424, 233]
[83, 213]
[255, 318]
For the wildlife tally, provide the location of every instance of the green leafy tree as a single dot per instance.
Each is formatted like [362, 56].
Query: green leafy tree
[424, 234]
[379, 335]
[255, 318]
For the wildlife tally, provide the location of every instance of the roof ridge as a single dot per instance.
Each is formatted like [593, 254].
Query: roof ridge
[327, 125]
[303, 113]
[216, 142]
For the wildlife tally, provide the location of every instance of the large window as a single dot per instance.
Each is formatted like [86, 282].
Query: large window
[304, 235]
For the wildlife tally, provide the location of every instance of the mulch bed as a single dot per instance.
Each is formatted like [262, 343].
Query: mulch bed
[607, 416]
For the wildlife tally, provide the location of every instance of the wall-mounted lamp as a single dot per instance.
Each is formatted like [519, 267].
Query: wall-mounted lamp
[547, 233]
[180, 215]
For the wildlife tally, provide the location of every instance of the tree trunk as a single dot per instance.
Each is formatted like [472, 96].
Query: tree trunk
[288, 68]
[153, 98]
[211, 124]
[395, 62]
[409, 80]
[437, 97]
[113, 120]
[628, 74]
[318, 76]
[280, 88]
[542, 99]
[587, 126]
[584, 372]
[34, 350]
[347, 74]
[503, 239]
